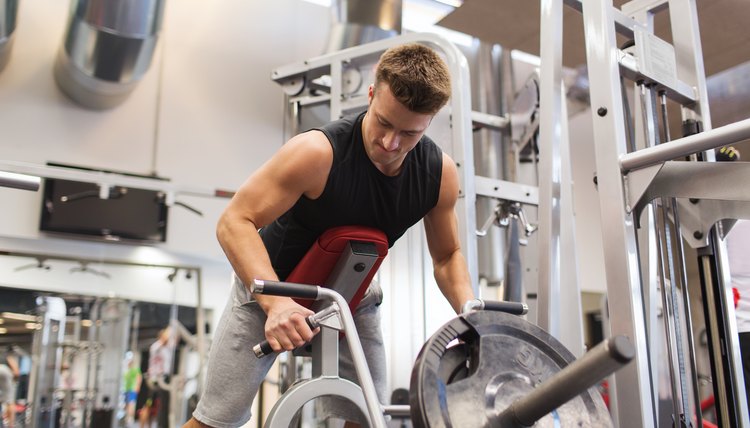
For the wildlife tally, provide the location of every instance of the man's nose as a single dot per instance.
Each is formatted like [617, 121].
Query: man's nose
[391, 141]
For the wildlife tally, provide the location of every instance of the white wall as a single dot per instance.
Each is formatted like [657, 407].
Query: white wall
[219, 117]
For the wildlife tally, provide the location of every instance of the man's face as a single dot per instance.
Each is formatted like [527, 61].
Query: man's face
[390, 130]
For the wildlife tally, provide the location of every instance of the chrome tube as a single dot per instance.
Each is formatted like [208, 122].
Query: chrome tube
[108, 48]
[685, 146]
[601, 361]
[358, 358]
[19, 181]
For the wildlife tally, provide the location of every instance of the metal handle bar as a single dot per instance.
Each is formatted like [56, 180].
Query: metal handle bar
[286, 289]
[513, 308]
[601, 361]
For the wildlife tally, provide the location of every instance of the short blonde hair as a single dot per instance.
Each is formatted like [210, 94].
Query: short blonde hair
[417, 77]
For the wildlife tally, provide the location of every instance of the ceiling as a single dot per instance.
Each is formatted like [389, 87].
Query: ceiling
[514, 24]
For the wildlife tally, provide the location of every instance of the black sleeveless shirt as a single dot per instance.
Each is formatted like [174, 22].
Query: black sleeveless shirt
[357, 193]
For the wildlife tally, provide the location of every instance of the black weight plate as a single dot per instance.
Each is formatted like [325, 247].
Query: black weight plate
[454, 365]
[499, 358]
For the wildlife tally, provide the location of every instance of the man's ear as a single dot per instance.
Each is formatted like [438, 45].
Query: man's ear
[370, 93]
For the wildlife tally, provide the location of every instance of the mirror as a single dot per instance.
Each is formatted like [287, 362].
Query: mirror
[101, 343]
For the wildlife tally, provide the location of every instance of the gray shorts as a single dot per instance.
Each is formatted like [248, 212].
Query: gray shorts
[7, 391]
[234, 374]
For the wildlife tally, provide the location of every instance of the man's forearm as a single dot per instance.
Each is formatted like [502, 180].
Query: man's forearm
[248, 256]
[452, 277]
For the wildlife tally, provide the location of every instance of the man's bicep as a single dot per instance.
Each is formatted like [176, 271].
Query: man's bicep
[441, 231]
[262, 198]
[441, 223]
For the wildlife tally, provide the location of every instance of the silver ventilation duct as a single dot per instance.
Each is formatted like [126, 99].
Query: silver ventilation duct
[361, 21]
[107, 49]
[8, 14]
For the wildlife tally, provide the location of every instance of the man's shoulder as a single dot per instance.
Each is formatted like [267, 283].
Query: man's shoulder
[312, 145]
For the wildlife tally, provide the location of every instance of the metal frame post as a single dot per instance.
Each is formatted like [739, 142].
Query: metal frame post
[46, 361]
[634, 383]
[558, 282]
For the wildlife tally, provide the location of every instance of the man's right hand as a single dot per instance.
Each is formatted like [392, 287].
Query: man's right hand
[286, 326]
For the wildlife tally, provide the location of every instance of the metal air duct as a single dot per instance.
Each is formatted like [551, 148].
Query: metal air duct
[107, 49]
[361, 21]
[8, 14]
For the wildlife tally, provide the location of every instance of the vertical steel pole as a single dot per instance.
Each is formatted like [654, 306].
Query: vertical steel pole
[634, 384]
[550, 175]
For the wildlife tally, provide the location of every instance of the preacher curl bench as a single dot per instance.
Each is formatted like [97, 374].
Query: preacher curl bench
[487, 367]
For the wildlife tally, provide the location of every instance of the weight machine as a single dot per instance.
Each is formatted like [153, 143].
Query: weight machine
[55, 396]
[540, 381]
[484, 368]
[77, 354]
[46, 362]
[656, 193]
[110, 329]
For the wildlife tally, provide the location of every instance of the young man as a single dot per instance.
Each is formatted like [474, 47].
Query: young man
[375, 169]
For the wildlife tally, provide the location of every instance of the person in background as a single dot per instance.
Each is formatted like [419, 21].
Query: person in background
[159, 368]
[8, 374]
[132, 380]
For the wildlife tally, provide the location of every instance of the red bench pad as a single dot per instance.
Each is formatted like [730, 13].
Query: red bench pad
[318, 263]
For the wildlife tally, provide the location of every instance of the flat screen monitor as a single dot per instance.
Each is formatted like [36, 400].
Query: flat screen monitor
[75, 209]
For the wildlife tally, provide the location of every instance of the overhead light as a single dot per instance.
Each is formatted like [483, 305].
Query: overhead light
[18, 317]
[3, 330]
[86, 323]
[453, 3]
[33, 326]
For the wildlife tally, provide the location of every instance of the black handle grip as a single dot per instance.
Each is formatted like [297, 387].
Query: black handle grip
[286, 289]
[264, 348]
[513, 308]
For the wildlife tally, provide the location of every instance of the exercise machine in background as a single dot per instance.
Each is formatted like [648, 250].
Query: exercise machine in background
[661, 199]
